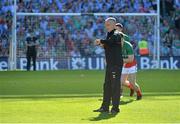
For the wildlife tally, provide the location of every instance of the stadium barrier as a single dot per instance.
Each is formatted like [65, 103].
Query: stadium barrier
[90, 63]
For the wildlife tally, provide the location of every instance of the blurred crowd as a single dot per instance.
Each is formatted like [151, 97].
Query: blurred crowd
[87, 6]
[75, 35]
[6, 10]
[170, 27]
[61, 36]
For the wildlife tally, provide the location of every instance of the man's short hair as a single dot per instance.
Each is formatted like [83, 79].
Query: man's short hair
[119, 25]
[112, 19]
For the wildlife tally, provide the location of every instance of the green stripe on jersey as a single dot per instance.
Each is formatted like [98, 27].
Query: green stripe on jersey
[126, 38]
[127, 49]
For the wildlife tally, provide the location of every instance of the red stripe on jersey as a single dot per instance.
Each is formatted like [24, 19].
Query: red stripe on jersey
[128, 65]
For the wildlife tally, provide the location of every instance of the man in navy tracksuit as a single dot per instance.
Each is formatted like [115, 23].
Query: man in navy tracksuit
[114, 60]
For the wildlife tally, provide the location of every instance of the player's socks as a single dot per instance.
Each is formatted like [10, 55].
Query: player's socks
[139, 92]
[139, 95]
[129, 85]
[131, 89]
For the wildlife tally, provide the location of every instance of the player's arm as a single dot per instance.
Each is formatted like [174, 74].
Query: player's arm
[36, 42]
[27, 42]
[130, 54]
[129, 59]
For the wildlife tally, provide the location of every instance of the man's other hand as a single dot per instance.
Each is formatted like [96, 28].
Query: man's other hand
[97, 42]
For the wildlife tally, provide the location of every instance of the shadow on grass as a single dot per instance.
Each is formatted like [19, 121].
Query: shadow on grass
[102, 116]
[123, 102]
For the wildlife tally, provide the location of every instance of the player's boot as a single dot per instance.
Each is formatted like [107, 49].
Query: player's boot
[121, 96]
[121, 93]
[139, 97]
[139, 94]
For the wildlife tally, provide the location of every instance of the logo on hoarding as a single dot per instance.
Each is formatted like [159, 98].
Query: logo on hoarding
[166, 63]
[78, 63]
[49, 64]
[90, 63]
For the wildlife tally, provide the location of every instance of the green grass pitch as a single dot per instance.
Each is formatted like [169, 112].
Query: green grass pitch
[71, 96]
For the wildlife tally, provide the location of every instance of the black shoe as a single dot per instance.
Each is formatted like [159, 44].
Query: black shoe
[131, 92]
[139, 97]
[101, 110]
[114, 111]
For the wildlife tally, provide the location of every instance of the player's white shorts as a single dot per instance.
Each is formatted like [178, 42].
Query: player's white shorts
[130, 70]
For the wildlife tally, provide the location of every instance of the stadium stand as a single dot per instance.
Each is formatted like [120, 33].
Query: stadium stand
[74, 36]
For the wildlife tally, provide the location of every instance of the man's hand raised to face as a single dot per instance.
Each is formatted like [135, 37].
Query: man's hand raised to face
[97, 41]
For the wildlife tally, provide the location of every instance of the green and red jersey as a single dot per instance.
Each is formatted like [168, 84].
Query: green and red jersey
[127, 49]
